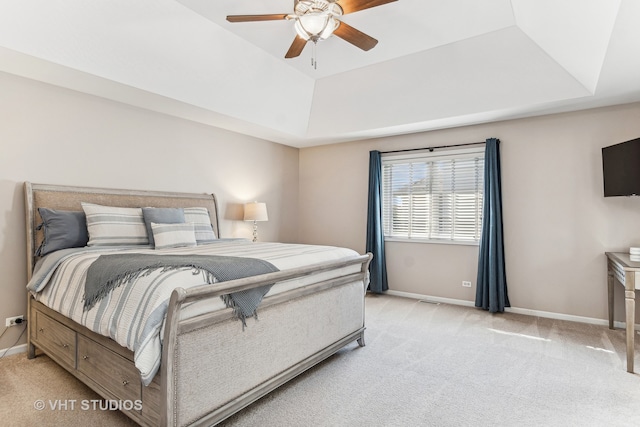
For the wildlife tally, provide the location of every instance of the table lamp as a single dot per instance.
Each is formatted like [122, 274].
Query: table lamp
[255, 211]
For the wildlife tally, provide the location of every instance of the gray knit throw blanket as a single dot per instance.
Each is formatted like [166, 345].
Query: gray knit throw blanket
[108, 272]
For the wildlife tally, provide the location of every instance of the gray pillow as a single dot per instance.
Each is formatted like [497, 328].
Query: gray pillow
[161, 216]
[62, 230]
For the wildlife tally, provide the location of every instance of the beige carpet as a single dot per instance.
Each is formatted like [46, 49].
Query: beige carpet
[25, 384]
[424, 365]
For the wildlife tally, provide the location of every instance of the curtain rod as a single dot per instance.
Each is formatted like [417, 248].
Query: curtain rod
[433, 148]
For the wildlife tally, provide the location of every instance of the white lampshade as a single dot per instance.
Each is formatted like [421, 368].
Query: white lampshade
[315, 26]
[255, 211]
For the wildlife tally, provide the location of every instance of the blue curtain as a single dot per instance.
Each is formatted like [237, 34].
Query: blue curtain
[375, 232]
[491, 291]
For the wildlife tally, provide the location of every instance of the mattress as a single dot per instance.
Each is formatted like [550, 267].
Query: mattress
[133, 314]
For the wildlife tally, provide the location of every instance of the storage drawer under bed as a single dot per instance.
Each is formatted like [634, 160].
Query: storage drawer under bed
[112, 372]
[101, 364]
[59, 340]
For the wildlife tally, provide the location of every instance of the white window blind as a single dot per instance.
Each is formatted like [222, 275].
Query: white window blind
[433, 196]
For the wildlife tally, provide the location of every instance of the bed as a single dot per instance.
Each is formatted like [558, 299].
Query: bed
[211, 361]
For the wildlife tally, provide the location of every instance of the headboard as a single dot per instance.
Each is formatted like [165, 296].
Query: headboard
[70, 198]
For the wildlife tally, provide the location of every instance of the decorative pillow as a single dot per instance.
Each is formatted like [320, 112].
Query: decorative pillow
[173, 235]
[161, 216]
[62, 230]
[201, 224]
[113, 226]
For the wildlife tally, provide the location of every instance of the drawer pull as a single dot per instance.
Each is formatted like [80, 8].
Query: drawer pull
[65, 345]
[41, 330]
[85, 357]
[125, 382]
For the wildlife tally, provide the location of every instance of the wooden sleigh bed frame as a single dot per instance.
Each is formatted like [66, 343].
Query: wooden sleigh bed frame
[210, 368]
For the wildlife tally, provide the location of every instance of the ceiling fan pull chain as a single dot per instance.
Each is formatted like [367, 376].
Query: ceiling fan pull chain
[314, 61]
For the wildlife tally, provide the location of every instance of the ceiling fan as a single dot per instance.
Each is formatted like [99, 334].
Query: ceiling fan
[318, 19]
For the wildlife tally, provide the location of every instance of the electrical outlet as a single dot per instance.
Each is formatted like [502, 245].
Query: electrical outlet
[13, 321]
[466, 284]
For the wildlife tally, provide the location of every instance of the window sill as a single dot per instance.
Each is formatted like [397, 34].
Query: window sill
[431, 242]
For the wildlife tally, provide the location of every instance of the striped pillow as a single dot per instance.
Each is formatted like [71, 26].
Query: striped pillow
[115, 226]
[173, 235]
[201, 224]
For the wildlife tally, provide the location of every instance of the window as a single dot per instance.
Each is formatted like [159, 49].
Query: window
[433, 196]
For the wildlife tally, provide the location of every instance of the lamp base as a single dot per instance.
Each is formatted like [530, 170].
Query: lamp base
[255, 231]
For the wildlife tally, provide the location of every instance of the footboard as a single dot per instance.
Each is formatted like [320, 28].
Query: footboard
[211, 368]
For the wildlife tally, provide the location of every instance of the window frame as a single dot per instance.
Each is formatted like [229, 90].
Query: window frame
[427, 155]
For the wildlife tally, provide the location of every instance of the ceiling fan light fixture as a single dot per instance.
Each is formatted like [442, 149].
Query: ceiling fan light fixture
[314, 27]
[316, 19]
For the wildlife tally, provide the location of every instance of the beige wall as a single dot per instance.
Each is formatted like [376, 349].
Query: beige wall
[57, 136]
[557, 224]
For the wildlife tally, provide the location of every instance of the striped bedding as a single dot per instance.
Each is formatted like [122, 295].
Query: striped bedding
[133, 315]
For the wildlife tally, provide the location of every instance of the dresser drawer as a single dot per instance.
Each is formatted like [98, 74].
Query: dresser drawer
[112, 372]
[57, 339]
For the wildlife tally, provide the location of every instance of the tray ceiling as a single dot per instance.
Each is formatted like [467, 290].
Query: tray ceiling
[437, 64]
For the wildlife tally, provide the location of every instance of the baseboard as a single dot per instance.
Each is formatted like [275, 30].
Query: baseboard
[526, 311]
[429, 298]
[22, 348]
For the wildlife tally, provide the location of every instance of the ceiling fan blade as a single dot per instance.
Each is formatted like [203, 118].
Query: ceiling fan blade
[350, 6]
[355, 37]
[251, 18]
[296, 47]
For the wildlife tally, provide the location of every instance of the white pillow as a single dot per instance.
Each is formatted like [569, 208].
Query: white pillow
[201, 224]
[114, 226]
[173, 235]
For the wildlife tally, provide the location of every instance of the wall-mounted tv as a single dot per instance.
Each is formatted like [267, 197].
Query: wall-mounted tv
[621, 169]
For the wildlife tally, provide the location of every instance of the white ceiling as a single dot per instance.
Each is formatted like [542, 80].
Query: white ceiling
[437, 64]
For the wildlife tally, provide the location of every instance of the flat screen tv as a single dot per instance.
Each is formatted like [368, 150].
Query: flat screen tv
[621, 169]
